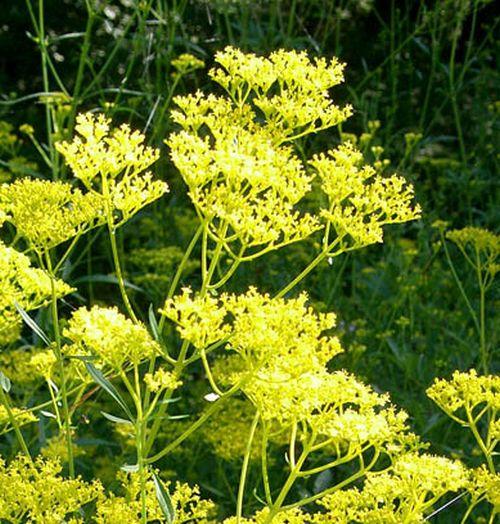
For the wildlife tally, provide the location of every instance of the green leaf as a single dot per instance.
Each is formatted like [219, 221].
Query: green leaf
[32, 324]
[4, 382]
[47, 414]
[164, 500]
[130, 468]
[153, 323]
[116, 420]
[105, 384]
[107, 279]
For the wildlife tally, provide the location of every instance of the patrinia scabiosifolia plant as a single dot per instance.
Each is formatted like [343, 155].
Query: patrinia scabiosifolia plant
[267, 359]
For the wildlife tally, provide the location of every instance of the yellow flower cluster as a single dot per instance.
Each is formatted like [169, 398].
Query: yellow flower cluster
[47, 213]
[466, 390]
[110, 336]
[485, 247]
[484, 484]
[244, 176]
[199, 320]
[241, 174]
[401, 495]
[25, 365]
[244, 182]
[277, 351]
[160, 380]
[111, 163]
[22, 416]
[480, 238]
[24, 285]
[186, 502]
[43, 363]
[289, 88]
[473, 401]
[263, 330]
[360, 202]
[38, 493]
[186, 63]
[290, 516]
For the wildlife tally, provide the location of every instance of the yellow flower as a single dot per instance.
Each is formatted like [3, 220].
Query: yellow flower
[47, 213]
[401, 495]
[24, 285]
[289, 516]
[186, 63]
[360, 202]
[111, 163]
[40, 494]
[480, 238]
[186, 501]
[485, 483]
[160, 380]
[480, 248]
[300, 105]
[466, 390]
[22, 416]
[43, 363]
[244, 177]
[199, 320]
[244, 182]
[109, 335]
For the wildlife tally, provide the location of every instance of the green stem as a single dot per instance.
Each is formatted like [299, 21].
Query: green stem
[14, 424]
[114, 247]
[62, 369]
[265, 472]
[459, 284]
[453, 89]
[81, 66]
[482, 316]
[338, 486]
[178, 273]
[480, 442]
[118, 271]
[139, 443]
[292, 477]
[324, 253]
[203, 418]
[181, 360]
[244, 469]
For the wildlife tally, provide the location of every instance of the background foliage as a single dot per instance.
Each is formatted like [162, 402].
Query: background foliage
[423, 80]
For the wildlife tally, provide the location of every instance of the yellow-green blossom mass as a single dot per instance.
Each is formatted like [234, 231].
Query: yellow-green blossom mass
[24, 285]
[361, 202]
[112, 163]
[244, 175]
[47, 213]
[110, 336]
[38, 493]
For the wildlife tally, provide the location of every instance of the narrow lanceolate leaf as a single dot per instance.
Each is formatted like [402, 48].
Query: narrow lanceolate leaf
[47, 414]
[164, 500]
[153, 323]
[116, 420]
[4, 382]
[105, 384]
[32, 324]
[130, 468]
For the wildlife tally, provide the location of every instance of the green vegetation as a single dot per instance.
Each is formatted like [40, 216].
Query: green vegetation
[247, 261]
